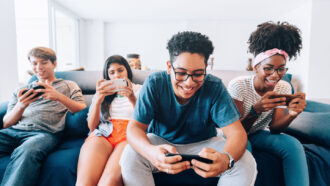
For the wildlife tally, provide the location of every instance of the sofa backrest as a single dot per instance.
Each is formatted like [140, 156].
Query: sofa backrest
[87, 79]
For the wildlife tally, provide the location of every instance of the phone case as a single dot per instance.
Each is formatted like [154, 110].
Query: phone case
[189, 157]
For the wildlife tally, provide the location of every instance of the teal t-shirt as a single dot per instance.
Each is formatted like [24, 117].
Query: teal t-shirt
[210, 107]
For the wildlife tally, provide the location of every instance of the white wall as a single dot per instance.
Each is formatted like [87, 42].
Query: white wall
[229, 36]
[91, 44]
[32, 30]
[149, 39]
[8, 70]
[301, 17]
[319, 68]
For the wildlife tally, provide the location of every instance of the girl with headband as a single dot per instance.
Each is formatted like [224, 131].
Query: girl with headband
[265, 111]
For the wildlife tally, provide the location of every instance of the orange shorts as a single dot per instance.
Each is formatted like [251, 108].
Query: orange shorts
[118, 134]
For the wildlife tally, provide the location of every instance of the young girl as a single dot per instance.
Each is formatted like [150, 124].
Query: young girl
[109, 115]
[257, 98]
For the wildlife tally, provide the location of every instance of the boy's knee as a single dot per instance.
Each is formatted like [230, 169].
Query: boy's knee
[128, 157]
[248, 161]
[29, 153]
[247, 165]
[244, 172]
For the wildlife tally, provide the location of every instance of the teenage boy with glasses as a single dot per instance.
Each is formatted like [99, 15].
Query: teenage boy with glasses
[180, 109]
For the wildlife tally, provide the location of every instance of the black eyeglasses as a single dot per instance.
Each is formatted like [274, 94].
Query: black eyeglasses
[271, 70]
[183, 76]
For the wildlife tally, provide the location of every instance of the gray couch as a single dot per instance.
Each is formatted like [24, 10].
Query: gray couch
[60, 166]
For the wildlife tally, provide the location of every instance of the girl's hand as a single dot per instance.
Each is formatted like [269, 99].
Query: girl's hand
[128, 92]
[104, 88]
[268, 102]
[297, 105]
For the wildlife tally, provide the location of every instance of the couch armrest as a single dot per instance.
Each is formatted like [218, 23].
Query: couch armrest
[311, 127]
[3, 111]
[318, 107]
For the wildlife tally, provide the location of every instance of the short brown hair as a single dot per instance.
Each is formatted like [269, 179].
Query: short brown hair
[42, 52]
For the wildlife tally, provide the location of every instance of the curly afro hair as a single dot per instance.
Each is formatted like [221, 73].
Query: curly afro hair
[192, 42]
[271, 35]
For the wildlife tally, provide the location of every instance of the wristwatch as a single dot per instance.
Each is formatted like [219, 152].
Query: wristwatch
[231, 160]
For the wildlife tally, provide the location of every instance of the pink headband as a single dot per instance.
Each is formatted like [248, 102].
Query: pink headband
[269, 53]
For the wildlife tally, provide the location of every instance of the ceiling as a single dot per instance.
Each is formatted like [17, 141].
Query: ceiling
[168, 10]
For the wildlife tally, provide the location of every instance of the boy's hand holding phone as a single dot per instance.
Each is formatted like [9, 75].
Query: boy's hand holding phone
[25, 97]
[169, 164]
[219, 163]
[48, 91]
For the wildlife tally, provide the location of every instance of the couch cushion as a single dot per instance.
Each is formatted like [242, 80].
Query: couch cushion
[60, 167]
[269, 169]
[76, 124]
[318, 164]
[314, 106]
[312, 127]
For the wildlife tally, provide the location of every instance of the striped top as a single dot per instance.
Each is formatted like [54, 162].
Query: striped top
[242, 89]
[121, 107]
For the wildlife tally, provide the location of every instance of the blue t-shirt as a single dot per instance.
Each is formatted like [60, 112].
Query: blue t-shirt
[195, 121]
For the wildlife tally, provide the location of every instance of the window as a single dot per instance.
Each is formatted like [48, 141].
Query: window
[45, 23]
[65, 39]
[32, 29]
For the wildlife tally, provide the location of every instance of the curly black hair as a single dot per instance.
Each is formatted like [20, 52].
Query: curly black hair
[192, 42]
[279, 35]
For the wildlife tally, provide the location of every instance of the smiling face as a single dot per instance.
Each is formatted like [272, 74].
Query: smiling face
[44, 69]
[266, 81]
[117, 71]
[191, 64]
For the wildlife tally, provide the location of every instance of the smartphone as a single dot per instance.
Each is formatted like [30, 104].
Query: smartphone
[35, 87]
[189, 157]
[120, 83]
[289, 97]
[117, 83]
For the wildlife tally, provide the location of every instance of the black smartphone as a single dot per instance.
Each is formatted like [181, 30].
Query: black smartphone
[35, 88]
[189, 157]
[289, 97]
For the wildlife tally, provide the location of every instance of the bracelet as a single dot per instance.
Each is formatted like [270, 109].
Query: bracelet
[253, 112]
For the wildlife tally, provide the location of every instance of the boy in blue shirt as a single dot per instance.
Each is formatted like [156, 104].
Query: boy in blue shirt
[180, 109]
